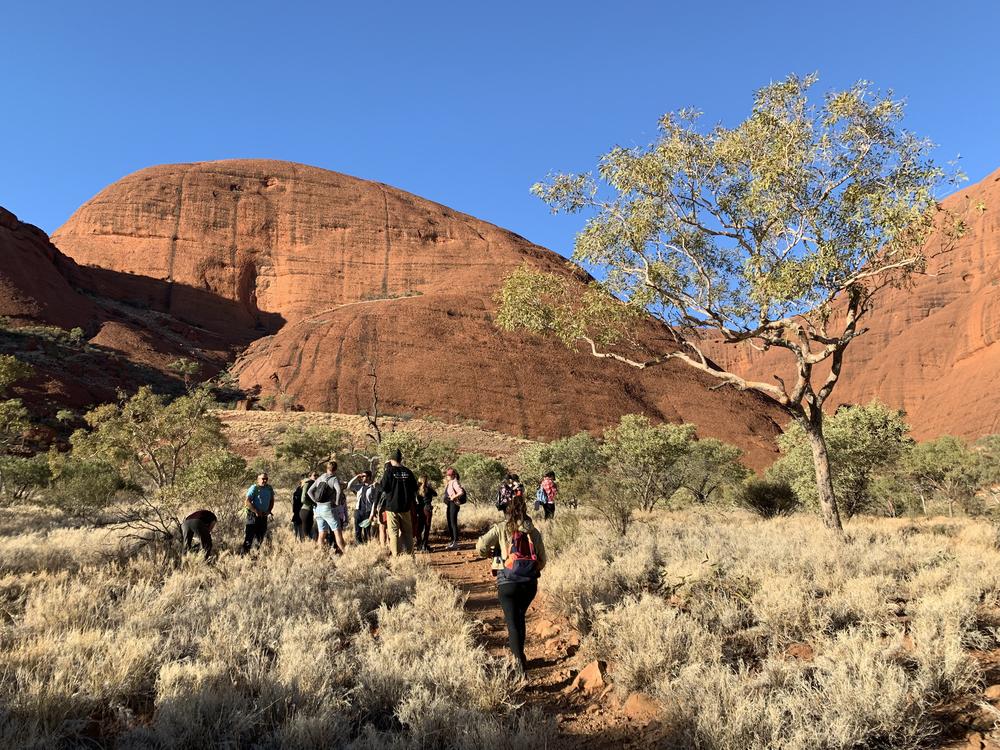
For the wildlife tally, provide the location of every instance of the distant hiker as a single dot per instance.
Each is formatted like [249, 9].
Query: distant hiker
[365, 493]
[424, 510]
[200, 524]
[547, 492]
[454, 499]
[399, 487]
[330, 511]
[510, 488]
[519, 556]
[259, 504]
[302, 509]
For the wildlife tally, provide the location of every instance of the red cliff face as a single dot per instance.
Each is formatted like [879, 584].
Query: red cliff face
[330, 273]
[932, 349]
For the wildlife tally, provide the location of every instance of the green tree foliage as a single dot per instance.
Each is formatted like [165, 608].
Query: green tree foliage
[780, 232]
[767, 498]
[152, 441]
[308, 448]
[709, 467]
[863, 442]
[14, 418]
[576, 460]
[22, 477]
[218, 477]
[641, 459]
[640, 467]
[481, 475]
[423, 457]
[944, 470]
[84, 487]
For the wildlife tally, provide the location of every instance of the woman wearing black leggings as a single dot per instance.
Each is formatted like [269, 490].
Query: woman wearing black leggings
[454, 496]
[516, 546]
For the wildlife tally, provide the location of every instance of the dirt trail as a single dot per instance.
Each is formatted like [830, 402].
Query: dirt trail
[583, 722]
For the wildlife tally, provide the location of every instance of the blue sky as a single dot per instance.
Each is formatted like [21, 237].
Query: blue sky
[464, 103]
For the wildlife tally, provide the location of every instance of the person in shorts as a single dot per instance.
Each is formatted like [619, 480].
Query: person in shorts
[329, 513]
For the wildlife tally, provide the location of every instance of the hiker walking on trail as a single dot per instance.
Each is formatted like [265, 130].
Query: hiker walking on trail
[424, 510]
[454, 499]
[199, 524]
[519, 556]
[510, 489]
[302, 509]
[259, 503]
[365, 493]
[399, 487]
[546, 495]
[325, 492]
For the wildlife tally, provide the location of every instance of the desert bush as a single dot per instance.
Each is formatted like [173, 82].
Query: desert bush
[576, 460]
[22, 477]
[767, 498]
[423, 457]
[307, 448]
[258, 651]
[945, 471]
[757, 633]
[481, 476]
[709, 468]
[84, 487]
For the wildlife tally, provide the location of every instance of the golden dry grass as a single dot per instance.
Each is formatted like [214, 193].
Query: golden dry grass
[713, 616]
[284, 648]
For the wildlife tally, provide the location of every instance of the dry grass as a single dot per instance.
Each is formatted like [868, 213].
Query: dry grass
[286, 648]
[711, 616]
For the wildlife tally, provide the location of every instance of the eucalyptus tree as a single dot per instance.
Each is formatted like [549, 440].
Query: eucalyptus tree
[780, 232]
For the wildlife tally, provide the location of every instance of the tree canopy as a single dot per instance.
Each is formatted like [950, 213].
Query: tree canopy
[779, 232]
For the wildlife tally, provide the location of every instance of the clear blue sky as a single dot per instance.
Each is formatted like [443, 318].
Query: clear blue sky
[465, 103]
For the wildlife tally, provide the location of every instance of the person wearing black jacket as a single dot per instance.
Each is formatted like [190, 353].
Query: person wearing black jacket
[400, 489]
[302, 505]
[200, 524]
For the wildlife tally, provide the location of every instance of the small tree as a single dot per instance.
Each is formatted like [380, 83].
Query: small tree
[151, 442]
[943, 469]
[14, 418]
[640, 458]
[640, 471]
[22, 477]
[576, 460]
[310, 447]
[423, 457]
[780, 232]
[709, 467]
[863, 441]
[481, 475]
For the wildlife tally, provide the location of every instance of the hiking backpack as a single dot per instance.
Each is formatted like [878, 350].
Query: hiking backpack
[521, 565]
[541, 498]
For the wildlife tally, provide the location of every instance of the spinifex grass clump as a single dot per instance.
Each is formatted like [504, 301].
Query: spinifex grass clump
[287, 648]
[755, 634]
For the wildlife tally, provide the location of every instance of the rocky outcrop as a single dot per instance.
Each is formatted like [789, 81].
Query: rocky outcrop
[332, 274]
[932, 349]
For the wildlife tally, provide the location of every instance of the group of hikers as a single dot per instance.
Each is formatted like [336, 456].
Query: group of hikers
[397, 511]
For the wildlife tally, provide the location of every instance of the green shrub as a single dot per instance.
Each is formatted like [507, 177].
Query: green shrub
[767, 498]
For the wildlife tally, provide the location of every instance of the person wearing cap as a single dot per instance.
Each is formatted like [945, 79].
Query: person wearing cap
[399, 487]
[259, 503]
[200, 524]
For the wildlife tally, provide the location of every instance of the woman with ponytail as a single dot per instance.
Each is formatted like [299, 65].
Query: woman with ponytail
[518, 558]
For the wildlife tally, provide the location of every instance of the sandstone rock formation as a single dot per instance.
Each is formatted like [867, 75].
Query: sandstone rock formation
[331, 273]
[932, 350]
[42, 291]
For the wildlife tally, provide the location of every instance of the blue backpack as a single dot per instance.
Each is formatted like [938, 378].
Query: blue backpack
[521, 565]
[540, 498]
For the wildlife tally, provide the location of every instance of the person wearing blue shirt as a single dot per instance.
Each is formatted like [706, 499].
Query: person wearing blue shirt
[259, 503]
